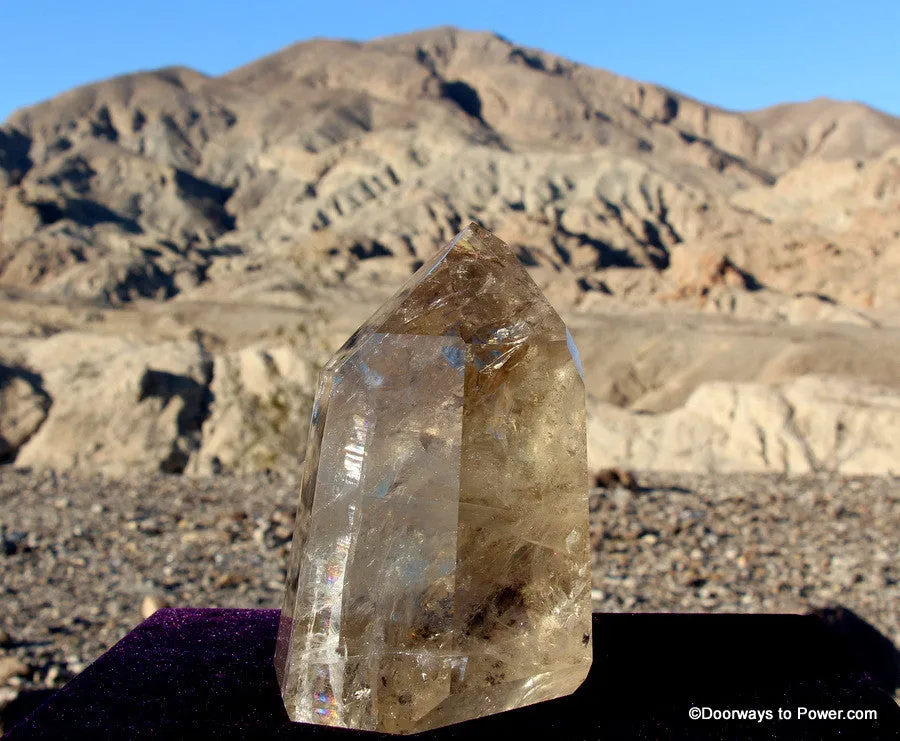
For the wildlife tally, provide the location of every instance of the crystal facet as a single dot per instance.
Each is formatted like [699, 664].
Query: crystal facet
[440, 563]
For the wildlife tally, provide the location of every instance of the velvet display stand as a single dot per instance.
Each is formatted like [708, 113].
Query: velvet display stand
[208, 674]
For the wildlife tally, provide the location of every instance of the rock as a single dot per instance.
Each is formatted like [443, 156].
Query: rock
[150, 604]
[18, 220]
[609, 478]
[11, 667]
[260, 413]
[807, 425]
[696, 271]
[12, 542]
[23, 408]
[119, 405]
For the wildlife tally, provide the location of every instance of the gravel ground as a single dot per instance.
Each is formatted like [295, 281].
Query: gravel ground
[80, 557]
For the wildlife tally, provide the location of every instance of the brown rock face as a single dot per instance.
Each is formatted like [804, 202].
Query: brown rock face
[334, 159]
[440, 565]
[696, 272]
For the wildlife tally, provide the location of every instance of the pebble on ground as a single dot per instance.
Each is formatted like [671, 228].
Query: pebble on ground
[84, 559]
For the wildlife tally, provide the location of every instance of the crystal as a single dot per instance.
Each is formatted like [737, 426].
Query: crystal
[440, 563]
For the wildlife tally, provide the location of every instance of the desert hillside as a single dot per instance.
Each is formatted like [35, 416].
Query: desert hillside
[180, 253]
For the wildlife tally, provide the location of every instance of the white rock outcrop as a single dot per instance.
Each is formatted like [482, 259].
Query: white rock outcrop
[805, 425]
[119, 405]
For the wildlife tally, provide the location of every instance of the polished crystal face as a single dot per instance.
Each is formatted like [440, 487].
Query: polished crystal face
[440, 565]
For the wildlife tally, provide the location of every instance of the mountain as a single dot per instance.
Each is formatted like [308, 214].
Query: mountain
[196, 245]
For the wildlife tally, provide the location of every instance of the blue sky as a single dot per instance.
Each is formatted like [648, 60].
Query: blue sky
[736, 55]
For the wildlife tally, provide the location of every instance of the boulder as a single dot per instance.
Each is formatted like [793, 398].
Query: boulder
[695, 271]
[23, 409]
[119, 405]
[260, 414]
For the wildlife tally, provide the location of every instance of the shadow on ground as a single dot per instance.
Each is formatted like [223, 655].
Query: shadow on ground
[871, 650]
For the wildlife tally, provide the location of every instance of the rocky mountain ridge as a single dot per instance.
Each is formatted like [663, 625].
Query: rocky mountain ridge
[179, 253]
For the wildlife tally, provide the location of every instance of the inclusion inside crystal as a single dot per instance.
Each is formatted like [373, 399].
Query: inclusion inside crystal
[440, 565]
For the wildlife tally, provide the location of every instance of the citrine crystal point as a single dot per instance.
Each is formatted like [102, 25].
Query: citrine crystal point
[440, 565]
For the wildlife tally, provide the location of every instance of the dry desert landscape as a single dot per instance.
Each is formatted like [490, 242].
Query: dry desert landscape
[180, 254]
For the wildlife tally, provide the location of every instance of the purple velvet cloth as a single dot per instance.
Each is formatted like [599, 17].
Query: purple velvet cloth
[208, 674]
